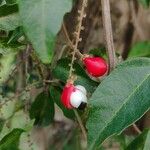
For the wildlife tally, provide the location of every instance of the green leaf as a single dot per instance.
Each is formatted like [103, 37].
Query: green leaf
[61, 72]
[145, 3]
[9, 17]
[98, 52]
[42, 20]
[7, 2]
[2, 2]
[10, 2]
[11, 140]
[6, 10]
[141, 49]
[121, 99]
[142, 142]
[7, 62]
[42, 109]
[16, 34]
[56, 96]
[121, 139]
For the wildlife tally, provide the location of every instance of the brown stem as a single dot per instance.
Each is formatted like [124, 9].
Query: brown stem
[136, 129]
[108, 33]
[66, 34]
[69, 41]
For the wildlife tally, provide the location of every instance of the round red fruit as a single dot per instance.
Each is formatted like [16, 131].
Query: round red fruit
[74, 97]
[65, 97]
[95, 66]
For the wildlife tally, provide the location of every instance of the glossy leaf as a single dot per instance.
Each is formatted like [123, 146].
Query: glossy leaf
[121, 99]
[9, 17]
[42, 20]
[61, 72]
[142, 142]
[141, 49]
[42, 109]
[56, 96]
[11, 140]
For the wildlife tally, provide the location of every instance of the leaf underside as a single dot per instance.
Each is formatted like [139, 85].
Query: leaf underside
[42, 20]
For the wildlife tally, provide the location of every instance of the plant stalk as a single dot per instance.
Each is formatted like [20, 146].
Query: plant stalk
[108, 34]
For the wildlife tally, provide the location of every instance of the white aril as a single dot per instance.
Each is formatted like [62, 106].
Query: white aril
[77, 98]
[81, 88]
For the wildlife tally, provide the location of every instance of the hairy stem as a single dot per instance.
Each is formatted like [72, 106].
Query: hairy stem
[79, 28]
[69, 41]
[108, 33]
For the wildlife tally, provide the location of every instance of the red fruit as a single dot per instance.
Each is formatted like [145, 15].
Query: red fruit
[65, 97]
[74, 97]
[96, 66]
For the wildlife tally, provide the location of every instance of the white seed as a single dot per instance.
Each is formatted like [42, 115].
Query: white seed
[82, 89]
[77, 98]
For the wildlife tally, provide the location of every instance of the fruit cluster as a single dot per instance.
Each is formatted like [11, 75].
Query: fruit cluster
[76, 96]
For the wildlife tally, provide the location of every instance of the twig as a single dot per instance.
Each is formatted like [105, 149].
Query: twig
[26, 63]
[51, 81]
[135, 21]
[69, 41]
[81, 124]
[77, 35]
[67, 36]
[108, 33]
[18, 94]
[136, 129]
